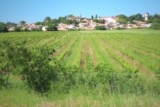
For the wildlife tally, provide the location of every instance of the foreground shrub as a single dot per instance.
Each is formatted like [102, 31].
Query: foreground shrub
[33, 66]
[38, 72]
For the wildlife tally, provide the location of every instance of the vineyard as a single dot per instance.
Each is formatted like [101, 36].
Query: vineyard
[91, 56]
[119, 49]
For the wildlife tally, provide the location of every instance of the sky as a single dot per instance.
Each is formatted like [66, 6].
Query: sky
[36, 10]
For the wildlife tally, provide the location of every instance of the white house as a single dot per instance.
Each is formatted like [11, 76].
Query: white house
[44, 28]
[71, 26]
[109, 19]
[62, 26]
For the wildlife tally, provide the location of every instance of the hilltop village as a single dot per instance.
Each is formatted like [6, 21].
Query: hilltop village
[96, 22]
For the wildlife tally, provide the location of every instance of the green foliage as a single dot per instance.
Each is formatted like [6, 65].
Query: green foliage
[137, 16]
[100, 28]
[122, 19]
[38, 72]
[52, 27]
[3, 27]
[33, 66]
[13, 58]
[47, 20]
[155, 26]
[101, 78]
[22, 22]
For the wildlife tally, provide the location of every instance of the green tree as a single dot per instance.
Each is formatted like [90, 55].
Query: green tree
[33, 66]
[155, 26]
[139, 17]
[3, 27]
[96, 17]
[11, 24]
[17, 29]
[100, 28]
[62, 19]
[39, 23]
[92, 17]
[122, 19]
[22, 22]
[47, 20]
[52, 27]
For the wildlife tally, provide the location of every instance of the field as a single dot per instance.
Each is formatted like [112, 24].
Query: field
[121, 50]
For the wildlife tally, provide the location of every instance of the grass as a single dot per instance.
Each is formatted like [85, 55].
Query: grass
[20, 97]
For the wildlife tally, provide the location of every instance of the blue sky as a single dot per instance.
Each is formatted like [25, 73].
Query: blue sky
[36, 10]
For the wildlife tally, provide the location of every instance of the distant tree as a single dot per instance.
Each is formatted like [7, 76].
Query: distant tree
[55, 21]
[62, 19]
[139, 17]
[156, 20]
[156, 15]
[3, 27]
[52, 27]
[122, 19]
[122, 16]
[100, 28]
[47, 20]
[11, 24]
[95, 20]
[101, 21]
[96, 16]
[17, 29]
[39, 23]
[155, 26]
[92, 17]
[22, 22]
[153, 19]
[70, 15]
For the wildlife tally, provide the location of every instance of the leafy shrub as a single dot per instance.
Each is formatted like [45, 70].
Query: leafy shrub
[100, 28]
[155, 26]
[38, 72]
[34, 66]
[3, 27]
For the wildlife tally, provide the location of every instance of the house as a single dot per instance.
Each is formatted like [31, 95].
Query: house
[12, 28]
[131, 26]
[44, 28]
[92, 25]
[34, 27]
[71, 26]
[62, 26]
[78, 18]
[147, 25]
[109, 19]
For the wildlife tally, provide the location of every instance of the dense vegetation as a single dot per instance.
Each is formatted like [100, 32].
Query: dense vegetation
[100, 28]
[102, 68]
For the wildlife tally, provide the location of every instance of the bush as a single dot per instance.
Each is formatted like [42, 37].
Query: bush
[38, 72]
[52, 27]
[155, 26]
[100, 28]
[33, 66]
[17, 29]
[3, 27]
